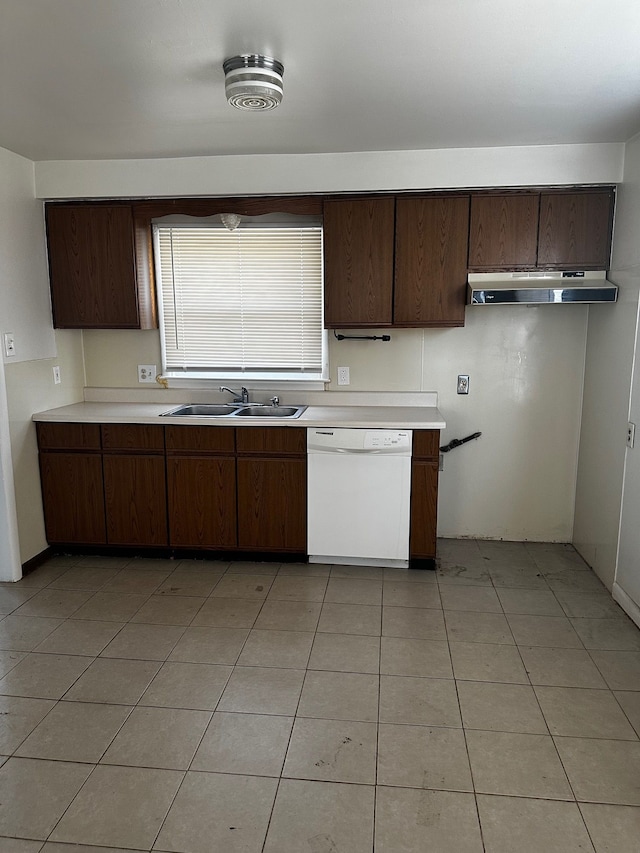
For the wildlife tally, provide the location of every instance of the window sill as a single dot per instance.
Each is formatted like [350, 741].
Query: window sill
[274, 383]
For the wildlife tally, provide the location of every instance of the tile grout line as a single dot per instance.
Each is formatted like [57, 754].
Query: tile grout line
[293, 725]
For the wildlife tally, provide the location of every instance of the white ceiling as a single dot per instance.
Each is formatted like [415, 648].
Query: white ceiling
[104, 79]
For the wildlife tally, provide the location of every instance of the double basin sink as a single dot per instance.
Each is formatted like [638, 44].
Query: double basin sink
[234, 410]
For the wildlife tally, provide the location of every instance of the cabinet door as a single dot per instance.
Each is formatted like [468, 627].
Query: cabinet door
[575, 230]
[358, 262]
[73, 498]
[202, 501]
[424, 503]
[92, 267]
[272, 504]
[503, 232]
[431, 261]
[136, 500]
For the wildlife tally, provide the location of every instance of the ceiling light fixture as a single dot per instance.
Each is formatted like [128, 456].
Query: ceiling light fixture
[253, 82]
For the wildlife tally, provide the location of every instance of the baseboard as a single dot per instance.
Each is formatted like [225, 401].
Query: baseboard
[628, 604]
[36, 561]
[178, 553]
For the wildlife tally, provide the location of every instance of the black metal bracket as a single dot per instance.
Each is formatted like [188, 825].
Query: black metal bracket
[361, 337]
[456, 442]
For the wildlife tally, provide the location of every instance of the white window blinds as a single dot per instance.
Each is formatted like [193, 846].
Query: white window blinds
[247, 301]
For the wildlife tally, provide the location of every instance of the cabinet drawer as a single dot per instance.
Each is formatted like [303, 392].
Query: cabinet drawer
[279, 441]
[68, 436]
[426, 444]
[200, 439]
[134, 437]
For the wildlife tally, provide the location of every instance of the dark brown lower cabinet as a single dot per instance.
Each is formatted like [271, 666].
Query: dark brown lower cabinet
[201, 493]
[424, 494]
[213, 488]
[201, 486]
[73, 497]
[272, 504]
[135, 499]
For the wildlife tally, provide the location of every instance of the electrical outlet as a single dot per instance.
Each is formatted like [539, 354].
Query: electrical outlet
[56, 375]
[147, 373]
[631, 434]
[463, 383]
[9, 344]
[343, 376]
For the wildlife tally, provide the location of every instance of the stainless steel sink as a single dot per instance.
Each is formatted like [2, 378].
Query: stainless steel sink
[252, 410]
[271, 412]
[203, 410]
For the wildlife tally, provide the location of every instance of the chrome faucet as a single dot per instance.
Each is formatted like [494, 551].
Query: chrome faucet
[275, 401]
[241, 396]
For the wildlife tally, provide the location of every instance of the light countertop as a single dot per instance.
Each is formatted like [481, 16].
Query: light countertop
[357, 416]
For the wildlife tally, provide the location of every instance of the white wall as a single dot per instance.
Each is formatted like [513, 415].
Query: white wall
[30, 388]
[526, 365]
[9, 544]
[627, 579]
[24, 310]
[609, 359]
[526, 369]
[26, 384]
[351, 172]
[25, 307]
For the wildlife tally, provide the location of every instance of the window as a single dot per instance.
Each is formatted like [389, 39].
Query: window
[243, 304]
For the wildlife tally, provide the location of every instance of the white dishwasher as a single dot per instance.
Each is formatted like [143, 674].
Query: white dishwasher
[359, 490]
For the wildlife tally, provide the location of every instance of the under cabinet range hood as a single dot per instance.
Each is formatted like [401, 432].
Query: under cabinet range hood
[540, 288]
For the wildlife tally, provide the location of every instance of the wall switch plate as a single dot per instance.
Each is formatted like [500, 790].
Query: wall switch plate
[463, 383]
[631, 434]
[9, 344]
[147, 373]
[56, 375]
[343, 376]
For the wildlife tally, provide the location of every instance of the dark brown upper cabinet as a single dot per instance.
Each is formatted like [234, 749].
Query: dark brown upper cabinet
[395, 262]
[575, 230]
[99, 268]
[431, 261]
[503, 232]
[560, 230]
[358, 262]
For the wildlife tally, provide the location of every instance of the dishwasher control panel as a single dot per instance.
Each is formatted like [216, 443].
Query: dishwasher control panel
[375, 439]
[350, 440]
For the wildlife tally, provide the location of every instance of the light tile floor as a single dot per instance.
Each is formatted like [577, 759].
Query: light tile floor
[206, 707]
